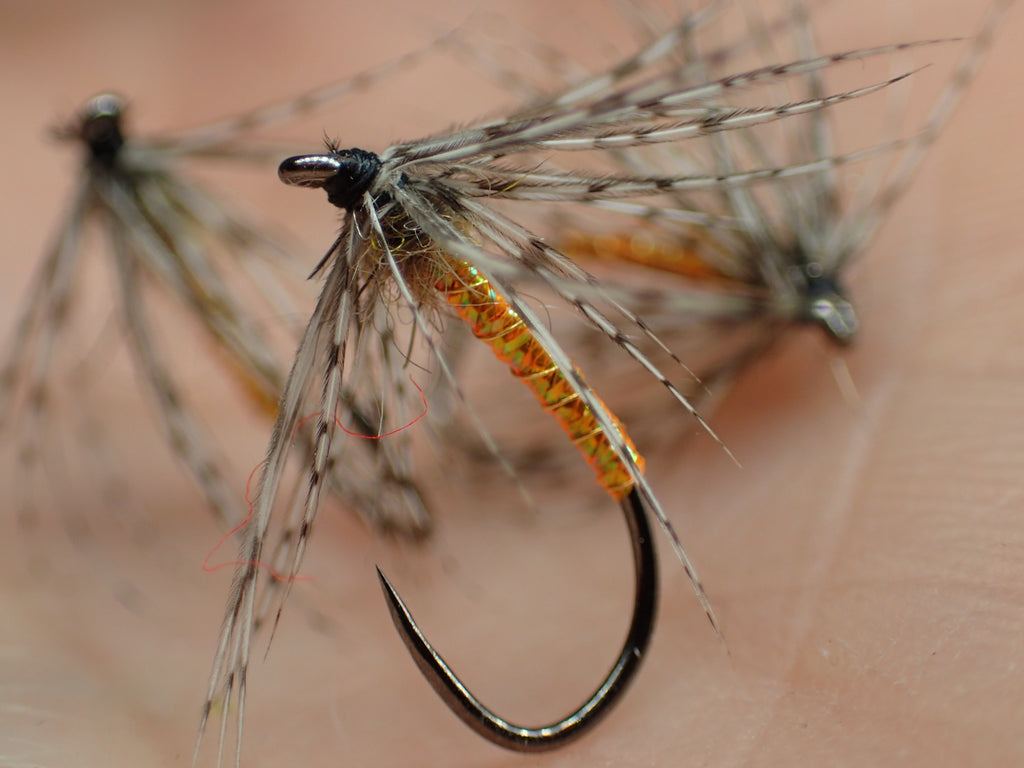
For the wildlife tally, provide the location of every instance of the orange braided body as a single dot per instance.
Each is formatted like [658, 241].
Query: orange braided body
[492, 320]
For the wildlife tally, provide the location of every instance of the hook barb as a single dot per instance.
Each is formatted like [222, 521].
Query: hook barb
[539, 739]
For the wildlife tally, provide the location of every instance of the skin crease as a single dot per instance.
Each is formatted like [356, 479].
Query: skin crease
[864, 562]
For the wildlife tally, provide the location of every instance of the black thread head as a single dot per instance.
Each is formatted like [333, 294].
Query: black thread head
[344, 174]
[826, 305]
[99, 127]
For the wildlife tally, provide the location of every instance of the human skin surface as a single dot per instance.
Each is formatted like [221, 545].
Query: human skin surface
[864, 563]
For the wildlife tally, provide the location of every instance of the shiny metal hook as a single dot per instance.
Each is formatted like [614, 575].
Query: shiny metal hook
[517, 738]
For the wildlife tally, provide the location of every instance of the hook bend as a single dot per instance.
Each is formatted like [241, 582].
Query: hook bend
[497, 729]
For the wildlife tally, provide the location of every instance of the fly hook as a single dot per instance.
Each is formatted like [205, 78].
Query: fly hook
[518, 738]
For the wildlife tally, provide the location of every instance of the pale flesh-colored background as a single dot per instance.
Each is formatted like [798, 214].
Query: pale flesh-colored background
[866, 561]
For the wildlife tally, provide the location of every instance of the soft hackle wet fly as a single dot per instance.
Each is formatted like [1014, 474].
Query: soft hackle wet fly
[762, 260]
[159, 229]
[167, 235]
[420, 231]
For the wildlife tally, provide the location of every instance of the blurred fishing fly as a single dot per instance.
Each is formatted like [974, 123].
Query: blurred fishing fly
[762, 259]
[165, 234]
[420, 233]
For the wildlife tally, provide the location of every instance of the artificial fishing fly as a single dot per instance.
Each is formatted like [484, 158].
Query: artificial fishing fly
[167, 235]
[348, 174]
[762, 260]
[159, 229]
[419, 231]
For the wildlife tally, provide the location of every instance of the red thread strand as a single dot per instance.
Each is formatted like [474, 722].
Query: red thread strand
[274, 574]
